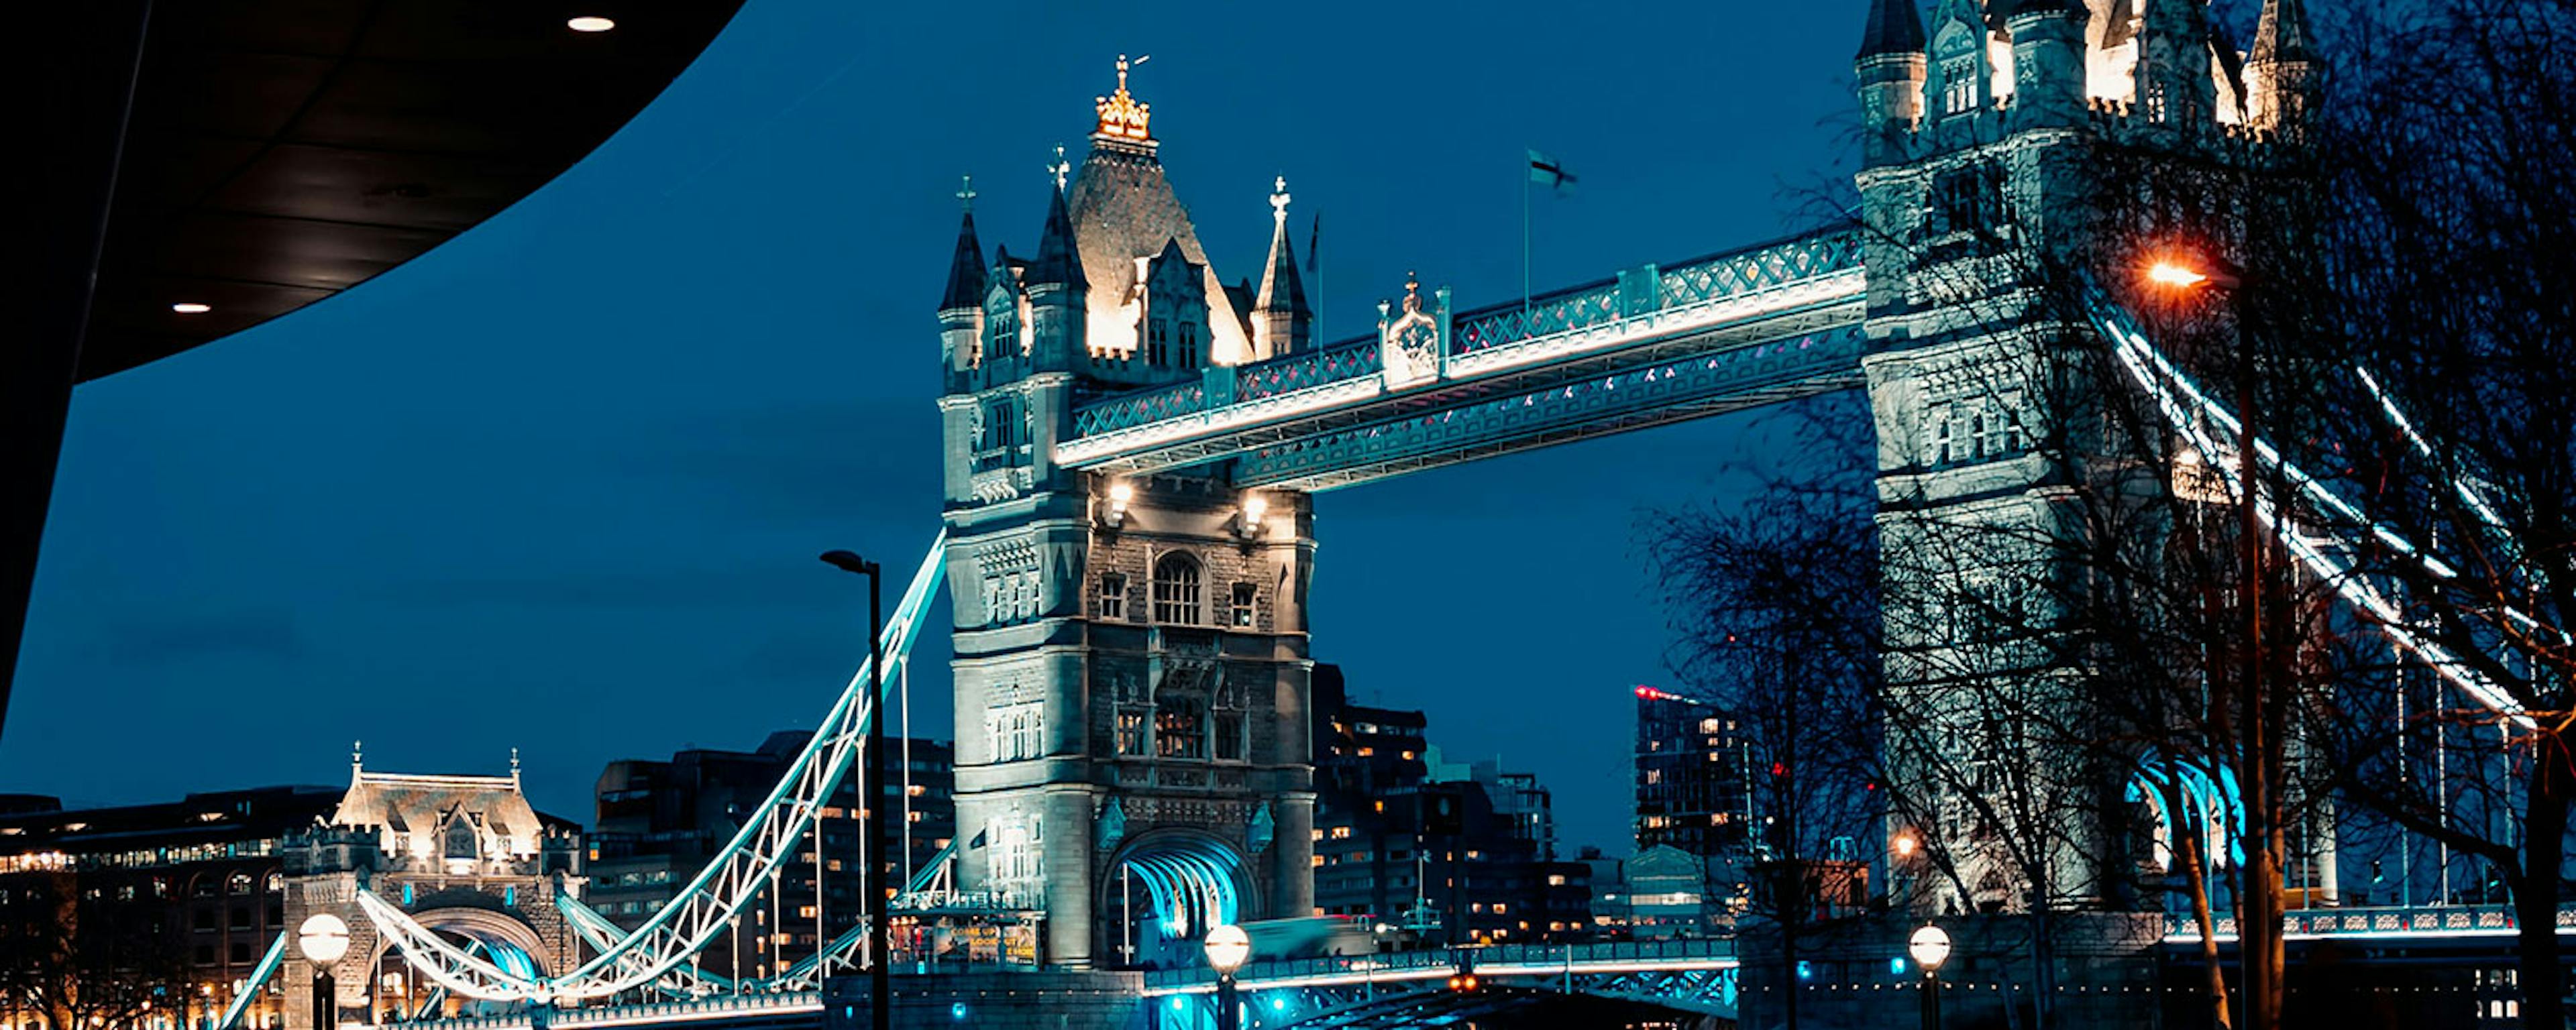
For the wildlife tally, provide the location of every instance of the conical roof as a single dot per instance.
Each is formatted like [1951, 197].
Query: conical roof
[1894, 27]
[1059, 257]
[965, 270]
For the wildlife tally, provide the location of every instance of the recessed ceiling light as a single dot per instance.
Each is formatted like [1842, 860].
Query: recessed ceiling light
[190, 307]
[590, 23]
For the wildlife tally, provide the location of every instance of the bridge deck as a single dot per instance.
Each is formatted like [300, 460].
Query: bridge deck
[1653, 346]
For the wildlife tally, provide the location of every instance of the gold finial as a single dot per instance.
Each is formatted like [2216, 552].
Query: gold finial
[1412, 292]
[1122, 119]
[1279, 200]
[966, 192]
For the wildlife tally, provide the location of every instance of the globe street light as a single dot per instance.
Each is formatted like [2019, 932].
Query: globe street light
[1228, 947]
[322, 939]
[871, 792]
[1930, 947]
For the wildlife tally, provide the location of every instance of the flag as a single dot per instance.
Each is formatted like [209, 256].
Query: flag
[1546, 171]
[1312, 235]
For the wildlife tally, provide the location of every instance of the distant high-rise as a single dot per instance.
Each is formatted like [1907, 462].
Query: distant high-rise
[1693, 776]
[1459, 851]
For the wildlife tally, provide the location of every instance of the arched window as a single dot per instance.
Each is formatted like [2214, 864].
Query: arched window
[462, 844]
[1176, 589]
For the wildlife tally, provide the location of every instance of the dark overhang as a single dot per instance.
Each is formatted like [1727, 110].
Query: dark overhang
[281, 151]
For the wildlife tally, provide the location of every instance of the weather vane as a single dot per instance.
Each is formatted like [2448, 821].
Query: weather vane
[1059, 168]
[966, 191]
[1279, 200]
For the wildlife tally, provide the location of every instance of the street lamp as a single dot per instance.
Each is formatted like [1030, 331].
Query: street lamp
[1930, 947]
[871, 792]
[322, 939]
[1228, 947]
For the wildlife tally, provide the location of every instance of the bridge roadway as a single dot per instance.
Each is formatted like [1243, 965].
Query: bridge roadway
[1692, 976]
[1654, 345]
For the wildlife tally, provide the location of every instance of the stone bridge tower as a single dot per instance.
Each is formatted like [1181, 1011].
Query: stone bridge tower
[1981, 165]
[465, 856]
[1131, 654]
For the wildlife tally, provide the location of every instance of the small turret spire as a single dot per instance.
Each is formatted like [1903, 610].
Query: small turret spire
[1894, 27]
[966, 268]
[1281, 321]
[966, 193]
[1058, 260]
[357, 759]
[514, 767]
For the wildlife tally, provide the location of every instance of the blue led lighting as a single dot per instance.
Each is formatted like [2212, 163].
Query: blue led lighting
[956, 1011]
[1896, 966]
[1805, 971]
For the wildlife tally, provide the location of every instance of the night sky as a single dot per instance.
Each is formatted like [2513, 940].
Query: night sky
[559, 484]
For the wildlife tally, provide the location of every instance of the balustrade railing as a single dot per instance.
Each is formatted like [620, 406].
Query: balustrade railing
[1494, 958]
[1637, 293]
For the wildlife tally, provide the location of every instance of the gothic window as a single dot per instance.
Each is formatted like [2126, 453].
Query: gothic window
[1131, 732]
[1180, 728]
[2156, 99]
[1231, 741]
[1958, 85]
[1189, 350]
[1941, 435]
[1176, 589]
[239, 883]
[1113, 595]
[1018, 848]
[1001, 428]
[1016, 732]
[460, 839]
[1157, 344]
[1967, 199]
[1241, 615]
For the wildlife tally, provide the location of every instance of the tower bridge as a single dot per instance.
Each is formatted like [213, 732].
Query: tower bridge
[1132, 450]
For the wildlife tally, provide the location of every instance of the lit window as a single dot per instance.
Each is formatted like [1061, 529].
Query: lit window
[1341, 833]
[1243, 595]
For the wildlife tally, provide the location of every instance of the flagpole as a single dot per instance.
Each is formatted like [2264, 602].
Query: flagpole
[1525, 244]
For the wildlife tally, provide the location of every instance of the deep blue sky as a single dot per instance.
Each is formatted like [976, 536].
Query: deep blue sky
[559, 484]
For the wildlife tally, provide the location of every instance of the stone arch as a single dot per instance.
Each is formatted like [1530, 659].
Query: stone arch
[1188, 879]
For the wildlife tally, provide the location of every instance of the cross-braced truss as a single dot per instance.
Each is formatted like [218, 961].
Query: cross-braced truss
[705, 908]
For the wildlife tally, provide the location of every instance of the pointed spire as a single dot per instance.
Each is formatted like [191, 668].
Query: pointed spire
[2283, 33]
[1280, 316]
[966, 269]
[1894, 27]
[1058, 260]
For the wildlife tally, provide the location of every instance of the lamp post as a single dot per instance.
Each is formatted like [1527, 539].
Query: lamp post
[1227, 948]
[1930, 947]
[871, 792]
[322, 939]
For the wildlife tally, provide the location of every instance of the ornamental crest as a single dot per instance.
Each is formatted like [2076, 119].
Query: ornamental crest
[1410, 345]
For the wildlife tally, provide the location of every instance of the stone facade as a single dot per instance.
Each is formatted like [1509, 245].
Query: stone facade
[1131, 661]
[465, 856]
[1980, 171]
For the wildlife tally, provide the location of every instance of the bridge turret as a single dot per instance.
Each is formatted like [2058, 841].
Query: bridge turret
[961, 305]
[2285, 77]
[2048, 63]
[1890, 68]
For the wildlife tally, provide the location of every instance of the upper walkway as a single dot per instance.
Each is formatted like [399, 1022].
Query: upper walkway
[1653, 345]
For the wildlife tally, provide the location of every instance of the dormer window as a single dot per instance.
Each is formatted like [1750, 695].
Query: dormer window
[1189, 353]
[1157, 343]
